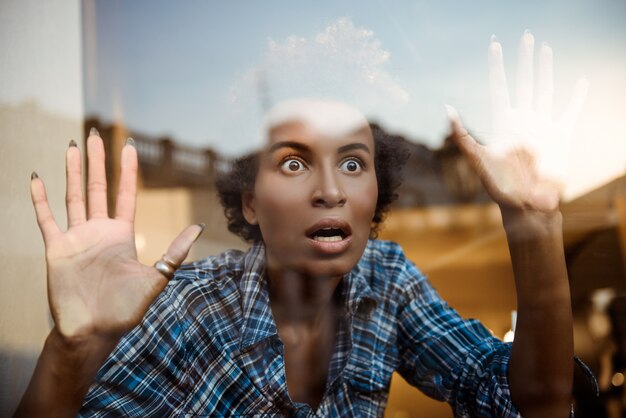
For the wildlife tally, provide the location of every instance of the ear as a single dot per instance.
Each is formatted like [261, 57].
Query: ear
[247, 206]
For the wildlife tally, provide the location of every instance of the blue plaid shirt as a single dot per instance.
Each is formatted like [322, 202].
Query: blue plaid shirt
[209, 346]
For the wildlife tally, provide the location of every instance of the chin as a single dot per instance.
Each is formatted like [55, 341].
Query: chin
[331, 268]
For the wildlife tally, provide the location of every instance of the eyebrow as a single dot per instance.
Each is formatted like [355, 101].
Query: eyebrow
[354, 146]
[288, 144]
[301, 147]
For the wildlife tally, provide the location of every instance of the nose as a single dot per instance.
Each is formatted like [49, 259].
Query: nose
[328, 191]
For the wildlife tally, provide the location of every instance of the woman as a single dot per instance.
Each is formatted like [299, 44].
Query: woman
[316, 316]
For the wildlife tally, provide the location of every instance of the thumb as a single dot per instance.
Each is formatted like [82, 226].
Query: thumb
[179, 248]
[466, 143]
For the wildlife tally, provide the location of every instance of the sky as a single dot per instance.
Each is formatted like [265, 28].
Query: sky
[203, 71]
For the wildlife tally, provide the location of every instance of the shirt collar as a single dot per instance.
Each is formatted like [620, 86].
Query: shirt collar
[359, 297]
[258, 324]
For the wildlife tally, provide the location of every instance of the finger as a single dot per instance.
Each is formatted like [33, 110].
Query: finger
[497, 79]
[524, 93]
[96, 177]
[575, 104]
[179, 248]
[545, 82]
[74, 200]
[45, 219]
[466, 143]
[127, 194]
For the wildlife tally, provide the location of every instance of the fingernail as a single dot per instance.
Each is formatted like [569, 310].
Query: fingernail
[94, 132]
[493, 38]
[453, 114]
[34, 175]
[201, 225]
[130, 141]
[73, 143]
[528, 38]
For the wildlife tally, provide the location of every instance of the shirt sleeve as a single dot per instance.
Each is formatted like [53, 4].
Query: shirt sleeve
[145, 374]
[452, 359]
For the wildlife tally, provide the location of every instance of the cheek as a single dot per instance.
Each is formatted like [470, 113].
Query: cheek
[364, 199]
[275, 202]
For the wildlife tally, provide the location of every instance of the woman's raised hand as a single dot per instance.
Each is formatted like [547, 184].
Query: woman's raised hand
[523, 162]
[96, 286]
[522, 167]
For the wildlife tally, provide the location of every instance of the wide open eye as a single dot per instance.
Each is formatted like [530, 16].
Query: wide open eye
[351, 165]
[292, 165]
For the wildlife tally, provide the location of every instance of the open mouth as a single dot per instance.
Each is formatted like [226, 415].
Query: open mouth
[329, 230]
[328, 235]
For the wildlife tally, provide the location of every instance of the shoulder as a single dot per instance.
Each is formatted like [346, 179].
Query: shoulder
[388, 270]
[385, 260]
[386, 252]
[204, 287]
[214, 267]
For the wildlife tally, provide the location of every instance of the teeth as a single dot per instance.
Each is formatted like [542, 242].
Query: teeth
[328, 239]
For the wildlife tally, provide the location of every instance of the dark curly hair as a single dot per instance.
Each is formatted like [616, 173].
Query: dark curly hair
[390, 155]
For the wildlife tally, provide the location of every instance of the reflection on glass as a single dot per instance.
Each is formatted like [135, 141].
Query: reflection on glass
[440, 199]
[299, 327]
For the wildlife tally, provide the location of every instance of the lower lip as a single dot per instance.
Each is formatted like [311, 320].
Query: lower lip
[330, 248]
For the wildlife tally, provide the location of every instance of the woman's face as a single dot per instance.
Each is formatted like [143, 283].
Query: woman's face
[315, 192]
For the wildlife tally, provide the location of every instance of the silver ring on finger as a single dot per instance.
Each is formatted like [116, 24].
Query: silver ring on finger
[166, 267]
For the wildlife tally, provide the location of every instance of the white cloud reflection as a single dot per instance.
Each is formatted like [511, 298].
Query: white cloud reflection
[341, 62]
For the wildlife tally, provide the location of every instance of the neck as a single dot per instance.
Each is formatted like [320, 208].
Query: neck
[299, 299]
